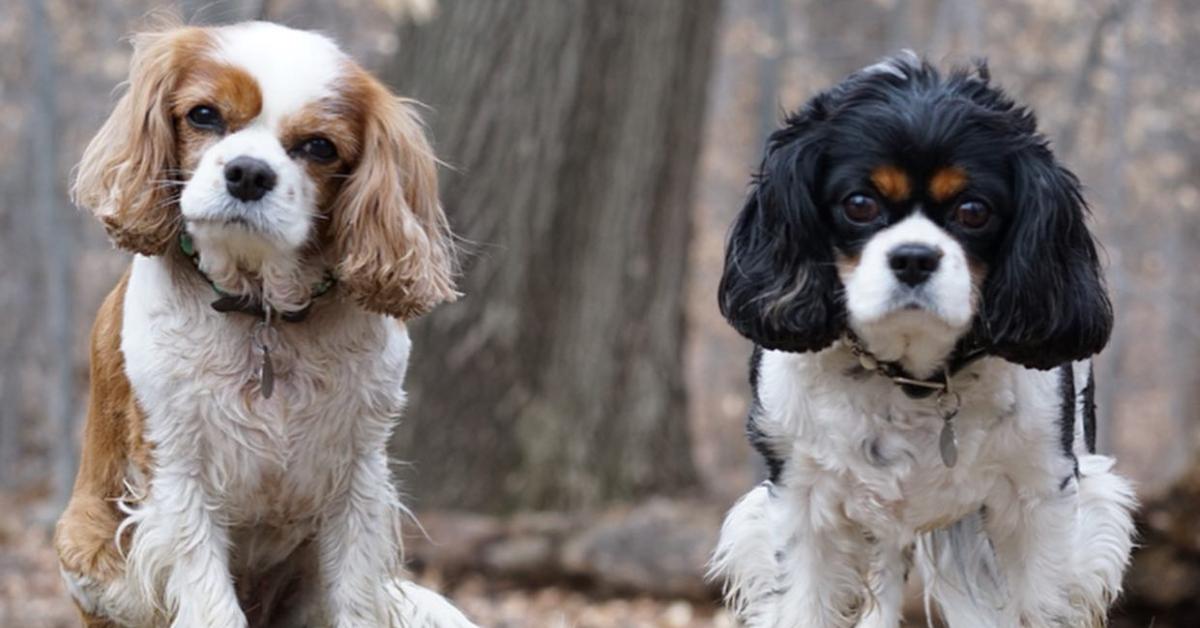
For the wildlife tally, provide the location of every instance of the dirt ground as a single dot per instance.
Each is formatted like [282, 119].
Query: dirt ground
[32, 596]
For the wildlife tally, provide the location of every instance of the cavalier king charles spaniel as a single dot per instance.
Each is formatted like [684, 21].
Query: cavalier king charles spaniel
[247, 369]
[914, 268]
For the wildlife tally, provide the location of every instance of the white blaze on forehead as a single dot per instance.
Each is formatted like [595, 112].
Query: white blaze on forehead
[293, 68]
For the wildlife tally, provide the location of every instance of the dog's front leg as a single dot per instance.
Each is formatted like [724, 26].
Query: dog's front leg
[1033, 536]
[821, 585]
[359, 548]
[180, 544]
[885, 579]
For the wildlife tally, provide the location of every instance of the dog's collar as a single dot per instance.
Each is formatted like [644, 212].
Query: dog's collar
[964, 354]
[245, 303]
[948, 402]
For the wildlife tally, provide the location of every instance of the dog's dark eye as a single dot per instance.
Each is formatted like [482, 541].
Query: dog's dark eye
[318, 149]
[205, 117]
[860, 208]
[972, 214]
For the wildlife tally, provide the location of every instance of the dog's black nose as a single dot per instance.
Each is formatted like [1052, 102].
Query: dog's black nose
[248, 179]
[914, 263]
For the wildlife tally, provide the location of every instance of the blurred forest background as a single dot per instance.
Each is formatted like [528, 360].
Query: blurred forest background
[575, 431]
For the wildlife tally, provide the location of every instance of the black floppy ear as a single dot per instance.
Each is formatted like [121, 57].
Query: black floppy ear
[1045, 303]
[780, 287]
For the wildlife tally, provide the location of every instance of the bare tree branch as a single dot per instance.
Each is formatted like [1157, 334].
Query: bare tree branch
[1081, 91]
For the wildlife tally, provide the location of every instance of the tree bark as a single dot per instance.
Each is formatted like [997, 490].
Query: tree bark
[572, 130]
[55, 238]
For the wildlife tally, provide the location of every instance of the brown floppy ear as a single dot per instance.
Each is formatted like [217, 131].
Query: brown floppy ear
[128, 174]
[396, 254]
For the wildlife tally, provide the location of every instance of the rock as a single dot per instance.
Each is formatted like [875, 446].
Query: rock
[659, 548]
[452, 542]
[527, 557]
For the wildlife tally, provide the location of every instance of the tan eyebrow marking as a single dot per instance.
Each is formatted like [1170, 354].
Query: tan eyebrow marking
[891, 182]
[232, 90]
[946, 183]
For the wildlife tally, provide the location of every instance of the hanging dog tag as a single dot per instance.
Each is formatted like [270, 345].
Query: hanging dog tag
[264, 338]
[948, 404]
[948, 442]
[266, 374]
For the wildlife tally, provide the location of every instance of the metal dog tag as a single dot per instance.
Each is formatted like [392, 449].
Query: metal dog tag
[948, 442]
[266, 375]
[265, 337]
[948, 404]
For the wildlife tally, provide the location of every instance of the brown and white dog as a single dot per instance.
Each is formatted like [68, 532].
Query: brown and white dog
[247, 369]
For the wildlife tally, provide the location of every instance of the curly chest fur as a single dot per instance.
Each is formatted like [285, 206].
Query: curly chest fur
[338, 378]
[857, 445]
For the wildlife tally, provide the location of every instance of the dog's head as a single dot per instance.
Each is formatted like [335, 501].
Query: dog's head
[913, 209]
[281, 158]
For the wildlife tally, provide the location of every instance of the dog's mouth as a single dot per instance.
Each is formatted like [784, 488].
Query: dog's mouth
[913, 311]
[913, 301]
[228, 220]
[240, 222]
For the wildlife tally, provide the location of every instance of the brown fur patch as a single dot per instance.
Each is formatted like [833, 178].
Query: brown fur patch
[947, 183]
[231, 90]
[846, 265]
[85, 537]
[392, 240]
[892, 183]
[327, 119]
[126, 171]
[228, 89]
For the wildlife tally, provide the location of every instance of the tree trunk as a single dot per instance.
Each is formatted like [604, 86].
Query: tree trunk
[55, 238]
[572, 130]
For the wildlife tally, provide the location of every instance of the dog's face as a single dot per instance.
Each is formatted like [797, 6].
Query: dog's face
[281, 158]
[913, 210]
[261, 139]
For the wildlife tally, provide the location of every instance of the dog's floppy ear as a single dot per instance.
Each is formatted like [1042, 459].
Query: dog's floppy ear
[128, 171]
[395, 250]
[780, 287]
[1046, 303]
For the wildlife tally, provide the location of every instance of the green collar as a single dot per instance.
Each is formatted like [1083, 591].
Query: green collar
[245, 303]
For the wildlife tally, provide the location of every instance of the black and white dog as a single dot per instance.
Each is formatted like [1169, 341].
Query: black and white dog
[914, 268]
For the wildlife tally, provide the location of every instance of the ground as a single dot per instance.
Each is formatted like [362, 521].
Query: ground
[32, 596]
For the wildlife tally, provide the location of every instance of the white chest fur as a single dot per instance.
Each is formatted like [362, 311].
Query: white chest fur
[854, 443]
[338, 390]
